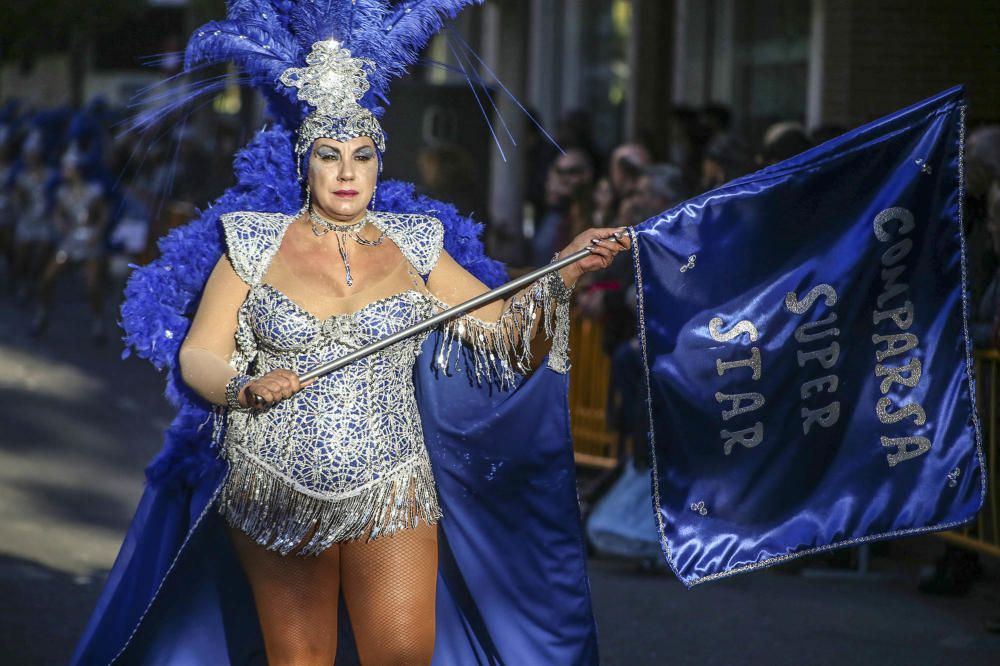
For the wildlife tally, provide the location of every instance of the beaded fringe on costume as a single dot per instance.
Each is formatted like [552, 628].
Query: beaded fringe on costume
[279, 515]
[500, 347]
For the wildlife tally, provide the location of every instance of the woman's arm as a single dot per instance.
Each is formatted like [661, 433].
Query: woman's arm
[501, 331]
[208, 348]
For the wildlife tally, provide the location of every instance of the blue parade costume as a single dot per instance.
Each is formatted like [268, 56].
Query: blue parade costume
[725, 333]
[512, 584]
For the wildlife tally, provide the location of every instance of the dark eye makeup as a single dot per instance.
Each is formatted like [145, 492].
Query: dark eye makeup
[326, 152]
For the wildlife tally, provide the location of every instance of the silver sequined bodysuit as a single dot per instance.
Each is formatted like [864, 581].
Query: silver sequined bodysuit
[343, 458]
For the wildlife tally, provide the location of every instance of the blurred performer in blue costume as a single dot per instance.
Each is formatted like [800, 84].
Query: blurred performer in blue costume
[427, 489]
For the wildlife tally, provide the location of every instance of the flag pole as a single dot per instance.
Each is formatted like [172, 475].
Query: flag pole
[451, 312]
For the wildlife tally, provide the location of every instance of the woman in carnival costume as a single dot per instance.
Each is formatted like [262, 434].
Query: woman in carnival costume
[81, 213]
[34, 234]
[429, 486]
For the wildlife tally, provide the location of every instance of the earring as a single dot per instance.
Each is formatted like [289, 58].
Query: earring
[308, 203]
[371, 204]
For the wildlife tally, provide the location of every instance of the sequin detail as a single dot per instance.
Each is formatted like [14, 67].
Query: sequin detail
[253, 238]
[346, 455]
[333, 82]
[502, 348]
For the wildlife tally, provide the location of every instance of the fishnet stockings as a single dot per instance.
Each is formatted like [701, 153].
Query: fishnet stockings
[389, 588]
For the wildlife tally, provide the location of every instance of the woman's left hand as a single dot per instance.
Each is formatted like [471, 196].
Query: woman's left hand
[604, 243]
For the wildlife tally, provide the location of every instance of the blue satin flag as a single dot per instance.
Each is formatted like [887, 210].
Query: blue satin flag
[807, 354]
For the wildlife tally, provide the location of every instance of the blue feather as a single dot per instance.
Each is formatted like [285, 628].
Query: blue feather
[265, 37]
[250, 44]
[413, 22]
[161, 297]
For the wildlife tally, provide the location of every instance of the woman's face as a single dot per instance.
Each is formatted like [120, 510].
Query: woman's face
[342, 177]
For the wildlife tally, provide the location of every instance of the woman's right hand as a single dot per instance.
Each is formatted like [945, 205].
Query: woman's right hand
[276, 385]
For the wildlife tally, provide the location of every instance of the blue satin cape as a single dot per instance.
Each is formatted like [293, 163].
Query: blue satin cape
[512, 582]
[805, 339]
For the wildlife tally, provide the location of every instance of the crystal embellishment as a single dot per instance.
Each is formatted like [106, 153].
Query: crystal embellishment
[344, 458]
[953, 477]
[333, 82]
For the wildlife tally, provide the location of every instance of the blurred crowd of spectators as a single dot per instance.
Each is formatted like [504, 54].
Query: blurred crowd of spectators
[578, 188]
[77, 194]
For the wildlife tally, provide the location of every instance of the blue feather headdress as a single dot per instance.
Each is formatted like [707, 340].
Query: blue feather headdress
[339, 55]
[267, 38]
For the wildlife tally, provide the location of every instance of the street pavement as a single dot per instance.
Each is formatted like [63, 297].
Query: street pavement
[78, 424]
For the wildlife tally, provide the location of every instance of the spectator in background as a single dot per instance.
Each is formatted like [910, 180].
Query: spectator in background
[81, 215]
[448, 174]
[781, 141]
[570, 172]
[985, 324]
[627, 162]
[688, 137]
[982, 168]
[8, 216]
[824, 133]
[726, 157]
[625, 170]
[35, 234]
[660, 187]
[716, 119]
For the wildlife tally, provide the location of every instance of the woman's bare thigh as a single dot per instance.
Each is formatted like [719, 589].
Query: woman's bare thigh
[389, 587]
[296, 598]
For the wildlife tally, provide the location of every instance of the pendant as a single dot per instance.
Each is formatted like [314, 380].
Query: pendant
[342, 246]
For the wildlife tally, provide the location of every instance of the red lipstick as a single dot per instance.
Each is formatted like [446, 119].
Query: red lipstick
[346, 193]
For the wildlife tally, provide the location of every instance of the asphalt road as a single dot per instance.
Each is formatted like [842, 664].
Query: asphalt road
[78, 424]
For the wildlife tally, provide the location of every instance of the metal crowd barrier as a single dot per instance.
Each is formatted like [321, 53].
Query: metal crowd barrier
[983, 534]
[595, 445]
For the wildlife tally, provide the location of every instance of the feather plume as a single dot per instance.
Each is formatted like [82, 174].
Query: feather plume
[263, 53]
[162, 296]
[264, 38]
[410, 25]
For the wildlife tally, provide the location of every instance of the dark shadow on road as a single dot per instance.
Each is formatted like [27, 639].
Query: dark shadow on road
[43, 612]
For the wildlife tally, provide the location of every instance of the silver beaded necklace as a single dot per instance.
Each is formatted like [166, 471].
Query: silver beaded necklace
[322, 226]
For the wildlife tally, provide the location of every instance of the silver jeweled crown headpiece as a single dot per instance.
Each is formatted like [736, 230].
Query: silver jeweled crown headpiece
[333, 82]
